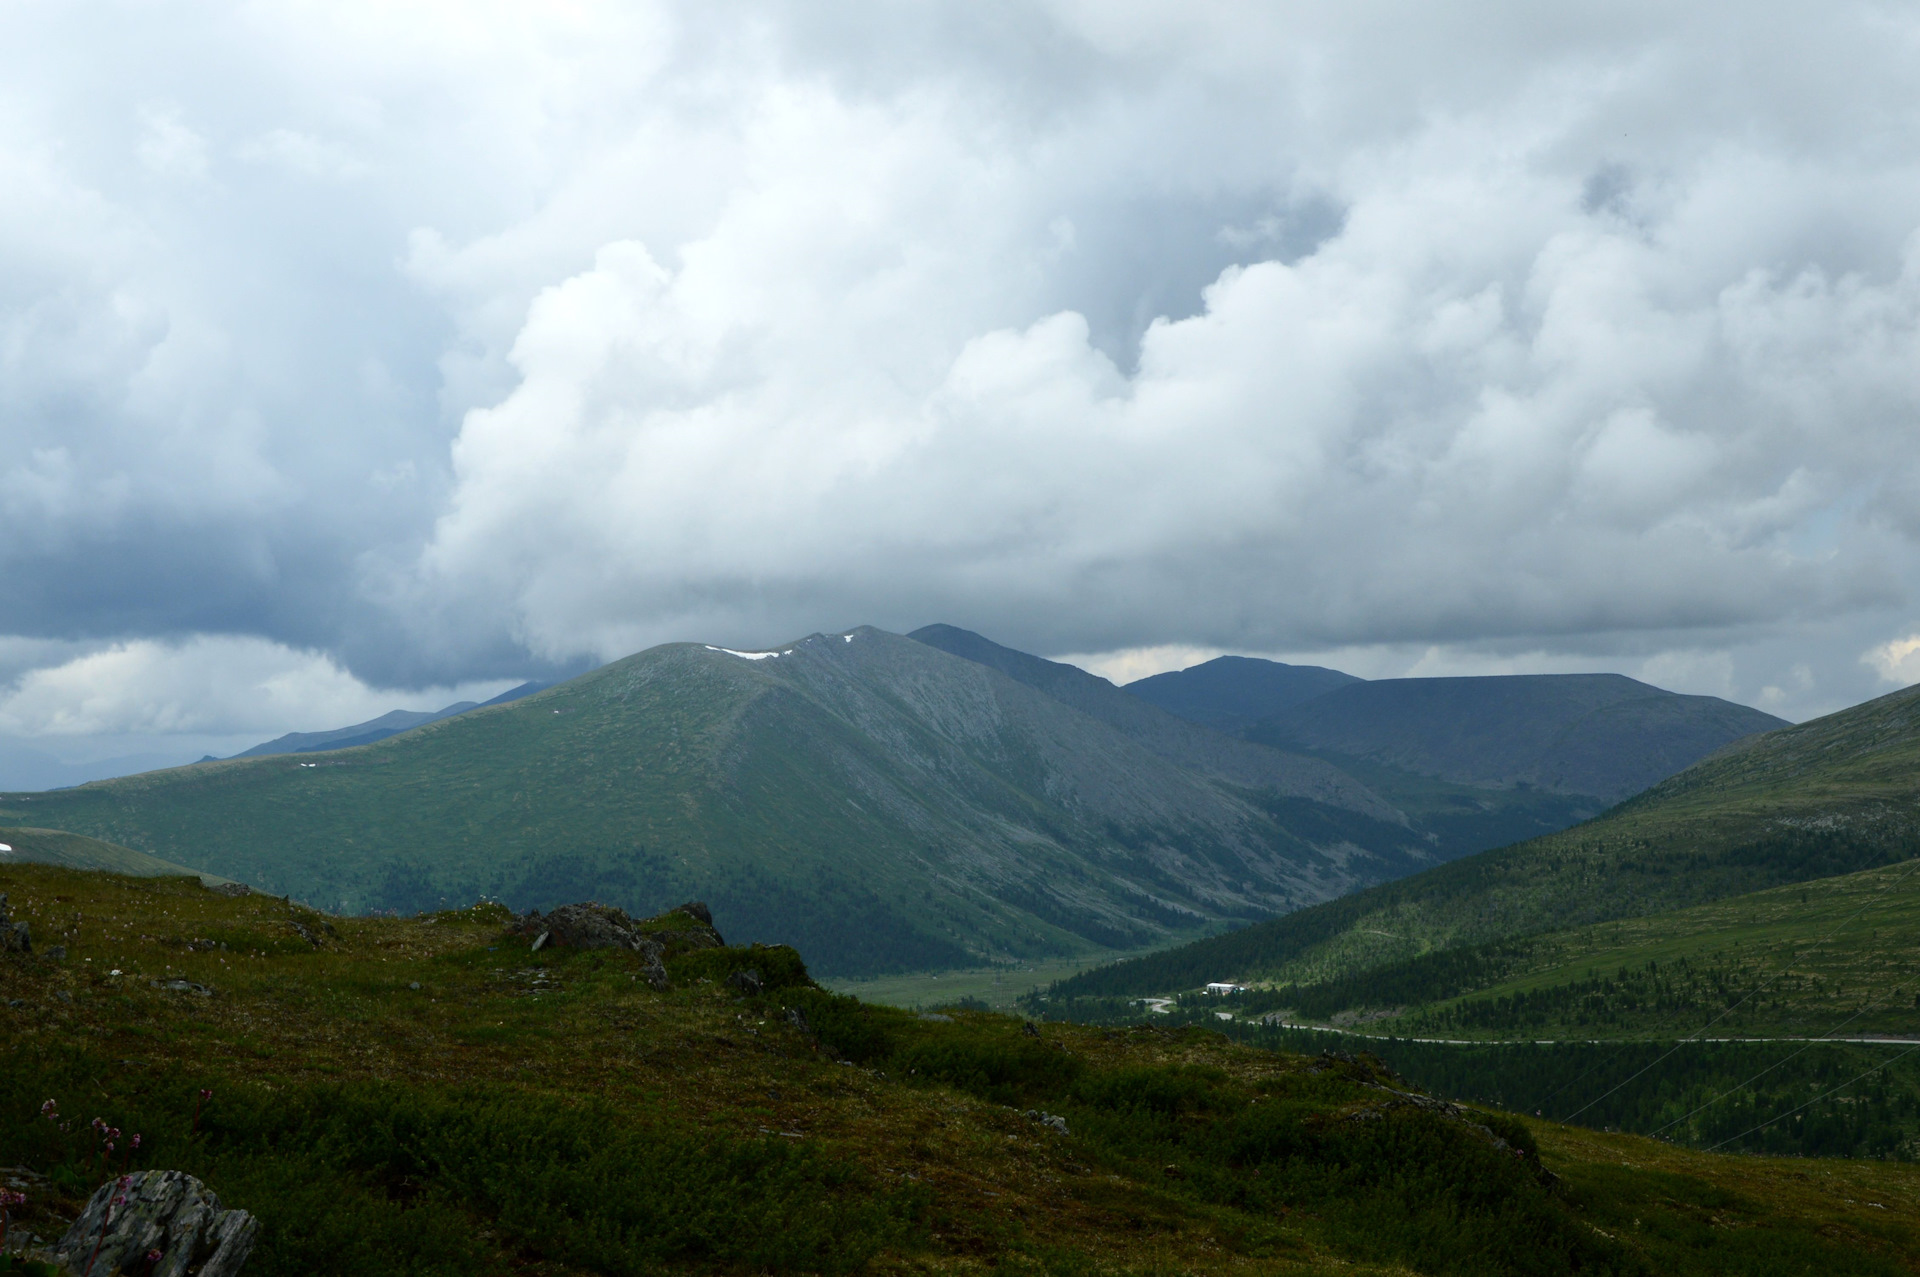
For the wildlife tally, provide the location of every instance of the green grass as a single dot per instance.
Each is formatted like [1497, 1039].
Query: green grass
[999, 987]
[552, 1113]
[75, 851]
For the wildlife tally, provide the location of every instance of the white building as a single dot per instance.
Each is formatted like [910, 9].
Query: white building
[1221, 989]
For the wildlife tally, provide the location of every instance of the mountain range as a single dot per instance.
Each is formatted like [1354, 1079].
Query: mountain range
[1800, 805]
[888, 802]
[391, 723]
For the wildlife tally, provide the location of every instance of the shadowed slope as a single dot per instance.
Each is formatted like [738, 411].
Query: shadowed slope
[1833, 796]
[1599, 734]
[1232, 693]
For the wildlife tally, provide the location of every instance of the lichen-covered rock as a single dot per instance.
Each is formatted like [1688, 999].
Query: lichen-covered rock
[166, 1211]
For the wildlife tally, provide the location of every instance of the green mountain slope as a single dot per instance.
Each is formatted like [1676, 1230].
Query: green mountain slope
[1171, 737]
[1602, 735]
[74, 851]
[1449, 819]
[881, 802]
[1232, 693]
[1829, 797]
[1834, 956]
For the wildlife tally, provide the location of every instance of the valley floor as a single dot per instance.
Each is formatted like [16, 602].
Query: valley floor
[997, 987]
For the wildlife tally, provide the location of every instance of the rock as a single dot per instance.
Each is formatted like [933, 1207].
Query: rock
[231, 888]
[183, 986]
[1029, 1030]
[56, 953]
[415, 985]
[1052, 1121]
[168, 1211]
[589, 925]
[748, 981]
[798, 1019]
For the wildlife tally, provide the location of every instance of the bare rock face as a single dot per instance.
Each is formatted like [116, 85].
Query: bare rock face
[13, 935]
[170, 1212]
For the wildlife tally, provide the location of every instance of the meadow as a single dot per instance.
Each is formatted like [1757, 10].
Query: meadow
[425, 1095]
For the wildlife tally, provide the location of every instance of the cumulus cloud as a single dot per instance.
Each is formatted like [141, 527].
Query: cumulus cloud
[207, 685]
[440, 344]
[1896, 661]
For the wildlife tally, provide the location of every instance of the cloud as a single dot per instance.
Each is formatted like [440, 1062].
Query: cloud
[443, 344]
[1897, 661]
[208, 685]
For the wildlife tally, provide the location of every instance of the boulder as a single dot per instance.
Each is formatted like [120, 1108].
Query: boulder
[166, 1211]
[748, 981]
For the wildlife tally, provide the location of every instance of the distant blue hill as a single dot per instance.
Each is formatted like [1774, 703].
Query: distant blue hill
[388, 724]
[1232, 693]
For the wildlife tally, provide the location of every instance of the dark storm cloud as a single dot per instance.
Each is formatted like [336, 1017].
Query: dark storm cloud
[443, 344]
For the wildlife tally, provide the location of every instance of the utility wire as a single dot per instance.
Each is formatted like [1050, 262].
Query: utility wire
[1804, 1046]
[1845, 923]
[1815, 1100]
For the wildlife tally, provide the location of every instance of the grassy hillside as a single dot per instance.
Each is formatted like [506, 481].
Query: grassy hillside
[425, 1096]
[1601, 735]
[75, 851]
[1836, 956]
[884, 804]
[1825, 798]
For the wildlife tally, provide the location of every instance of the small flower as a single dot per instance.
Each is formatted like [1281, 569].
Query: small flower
[8, 1198]
[50, 1110]
[206, 1095]
[136, 1141]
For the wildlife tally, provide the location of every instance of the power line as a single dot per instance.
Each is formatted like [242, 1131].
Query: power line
[1751, 993]
[1805, 1046]
[1815, 1100]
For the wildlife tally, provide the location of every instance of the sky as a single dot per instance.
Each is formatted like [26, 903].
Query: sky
[357, 356]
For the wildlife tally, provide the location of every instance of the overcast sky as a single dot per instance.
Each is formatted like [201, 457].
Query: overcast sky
[364, 355]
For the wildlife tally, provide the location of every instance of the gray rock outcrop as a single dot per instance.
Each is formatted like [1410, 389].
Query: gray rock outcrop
[170, 1212]
[589, 925]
